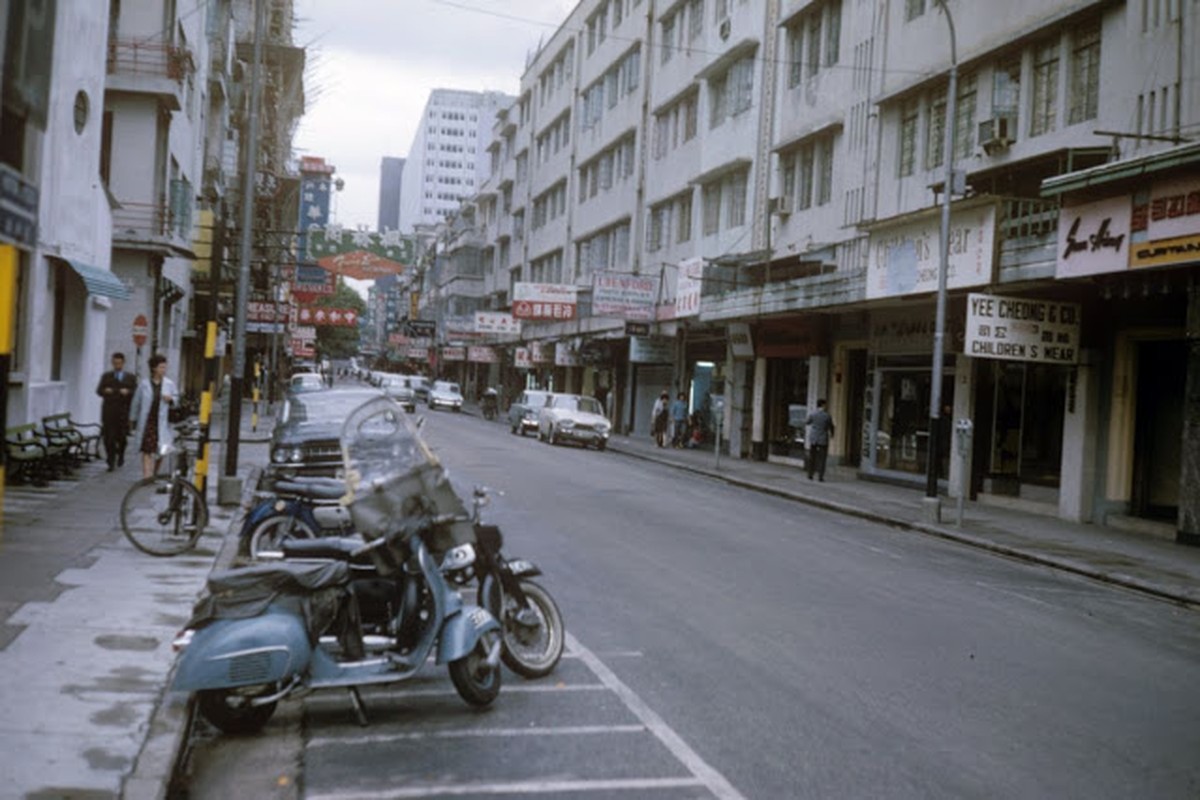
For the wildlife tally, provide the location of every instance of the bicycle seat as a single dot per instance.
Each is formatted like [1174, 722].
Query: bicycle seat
[312, 488]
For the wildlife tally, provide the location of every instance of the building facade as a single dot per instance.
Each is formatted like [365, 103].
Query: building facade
[391, 176]
[765, 178]
[446, 161]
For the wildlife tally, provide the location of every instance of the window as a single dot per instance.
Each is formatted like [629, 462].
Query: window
[909, 115]
[805, 170]
[913, 9]
[712, 208]
[795, 37]
[718, 100]
[1045, 87]
[1006, 87]
[668, 37]
[833, 31]
[935, 132]
[787, 170]
[824, 157]
[736, 199]
[695, 19]
[964, 116]
[728, 193]
[683, 217]
[1085, 73]
[814, 44]
[691, 112]
[741, 79]
[656, 233]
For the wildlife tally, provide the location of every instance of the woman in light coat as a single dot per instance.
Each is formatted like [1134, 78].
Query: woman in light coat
[148, 415]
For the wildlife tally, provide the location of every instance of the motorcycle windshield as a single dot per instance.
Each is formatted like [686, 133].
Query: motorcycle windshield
[390, 471]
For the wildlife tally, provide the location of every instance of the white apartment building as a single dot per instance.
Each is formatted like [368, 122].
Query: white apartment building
[151, 162]
[797, 149]
[65, 292]
[447, 161]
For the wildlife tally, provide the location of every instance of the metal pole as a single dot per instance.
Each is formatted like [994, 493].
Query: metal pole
[939, 335]
[9, 265]
[233, 422]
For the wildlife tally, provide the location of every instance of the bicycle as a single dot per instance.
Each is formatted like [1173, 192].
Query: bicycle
[166, 514]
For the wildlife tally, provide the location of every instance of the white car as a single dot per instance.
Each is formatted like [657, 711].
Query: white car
[444, 394]
[574, 418]
[399, 388]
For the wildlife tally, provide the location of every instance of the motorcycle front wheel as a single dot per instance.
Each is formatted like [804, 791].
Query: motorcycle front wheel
[477, 682]
[214, 705]
[270, 533]
[533, 636]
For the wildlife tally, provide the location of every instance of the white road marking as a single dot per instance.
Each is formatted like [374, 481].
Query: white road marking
[516, 788]
[475, 733]
[714, 781]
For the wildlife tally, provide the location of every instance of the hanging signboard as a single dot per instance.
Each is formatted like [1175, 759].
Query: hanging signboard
[1022, 329]
[496, 323]
[330, 317]
[359, 253]
[689, 283]
[482, 355]
[1166, 224]
[420, 328]
[540, 353]
[521, 358]
[905, 256]
[1093, 238]
[624, 295]
[417, 353]
[565, 355]
[651, 350]
[544, 301]
[452, 353]
[18, 208]
[741, 344]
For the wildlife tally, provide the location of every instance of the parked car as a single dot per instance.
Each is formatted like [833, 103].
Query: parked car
[399, 388]
[420, 387]
[306, 382]
[445, 394]
[306, 438]
[523, 413]
[574, 418]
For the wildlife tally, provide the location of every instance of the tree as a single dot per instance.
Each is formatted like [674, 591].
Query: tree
[338, 342]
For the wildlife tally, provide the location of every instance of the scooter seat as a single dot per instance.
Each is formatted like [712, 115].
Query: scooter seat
[340, 548]
[312, 488]
[280, 576]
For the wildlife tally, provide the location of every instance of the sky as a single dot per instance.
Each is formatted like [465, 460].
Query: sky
[372, 64]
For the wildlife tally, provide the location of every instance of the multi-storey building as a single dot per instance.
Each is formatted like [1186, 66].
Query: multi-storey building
[391, 176]
[447, 162]
[56, 227]
[788, 159]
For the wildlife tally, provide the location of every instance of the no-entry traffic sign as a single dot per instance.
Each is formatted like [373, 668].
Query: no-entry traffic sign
[141, 327]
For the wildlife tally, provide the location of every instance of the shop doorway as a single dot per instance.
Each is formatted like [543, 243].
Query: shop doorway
[900, 419]
[1157, 449]
[787, 407]
[1023, 406]
[856, 386]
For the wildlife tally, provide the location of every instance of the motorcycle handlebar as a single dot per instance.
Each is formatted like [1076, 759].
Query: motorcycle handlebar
[410, 528]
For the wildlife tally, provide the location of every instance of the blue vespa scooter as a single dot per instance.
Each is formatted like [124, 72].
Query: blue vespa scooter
[255, 638]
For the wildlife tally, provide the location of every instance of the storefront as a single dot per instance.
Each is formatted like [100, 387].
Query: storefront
[792, 387]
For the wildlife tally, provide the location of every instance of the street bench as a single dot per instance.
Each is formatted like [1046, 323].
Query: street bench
[29, 460]
[81, 442]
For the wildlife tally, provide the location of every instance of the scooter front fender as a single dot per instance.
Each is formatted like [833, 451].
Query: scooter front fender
[244, 652]
[461, 632]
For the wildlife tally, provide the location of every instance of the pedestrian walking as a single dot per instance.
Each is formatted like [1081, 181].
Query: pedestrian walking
[658, 418]
[116, 389]
[149, 414]
[820, 428]
[679, 417]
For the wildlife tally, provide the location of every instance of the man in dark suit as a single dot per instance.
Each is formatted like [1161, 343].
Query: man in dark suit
[116, 388]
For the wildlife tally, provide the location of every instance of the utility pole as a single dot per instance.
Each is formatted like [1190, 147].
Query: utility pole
[932, 502]
[229, 481]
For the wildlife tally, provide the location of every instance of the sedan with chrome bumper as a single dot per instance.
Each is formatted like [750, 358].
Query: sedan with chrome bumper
[574, 418]
[444, 394]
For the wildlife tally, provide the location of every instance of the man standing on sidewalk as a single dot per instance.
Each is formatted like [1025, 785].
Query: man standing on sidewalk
[820, 426]
[116, 388]
[679, 415]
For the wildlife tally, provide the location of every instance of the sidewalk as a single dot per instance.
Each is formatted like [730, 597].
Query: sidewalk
[86, 623]
[1147, 564]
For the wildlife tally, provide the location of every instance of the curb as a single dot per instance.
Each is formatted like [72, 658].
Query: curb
[946, 534]
[156, 764]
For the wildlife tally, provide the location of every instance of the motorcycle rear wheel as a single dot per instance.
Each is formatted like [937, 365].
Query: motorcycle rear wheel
[214, 706]
[476, 681]
[270, 533]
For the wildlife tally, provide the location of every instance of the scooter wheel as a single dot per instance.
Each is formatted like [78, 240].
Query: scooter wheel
[532, 647]
[477, 682]
[215, 707]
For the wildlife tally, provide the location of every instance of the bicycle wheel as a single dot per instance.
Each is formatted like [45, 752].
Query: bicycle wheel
[163, 516]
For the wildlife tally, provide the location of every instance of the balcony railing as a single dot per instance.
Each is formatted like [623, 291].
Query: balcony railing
[148, 58]
[151, 222]
[1025, 217]
[1028, 231]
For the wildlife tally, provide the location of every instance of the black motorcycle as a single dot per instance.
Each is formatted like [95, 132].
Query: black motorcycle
[390, 611]
[489, 404]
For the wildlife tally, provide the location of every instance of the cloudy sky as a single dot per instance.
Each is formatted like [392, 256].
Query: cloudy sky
[373, 63]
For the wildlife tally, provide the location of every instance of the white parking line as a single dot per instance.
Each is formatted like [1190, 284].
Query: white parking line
[714, 781]
[475, 733]
[517, 788]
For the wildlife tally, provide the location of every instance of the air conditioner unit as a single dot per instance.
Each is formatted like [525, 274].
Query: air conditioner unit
[724, 28]
[782, 206]
[997, 133]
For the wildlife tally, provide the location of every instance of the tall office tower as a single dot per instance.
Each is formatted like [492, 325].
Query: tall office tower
[391, 173]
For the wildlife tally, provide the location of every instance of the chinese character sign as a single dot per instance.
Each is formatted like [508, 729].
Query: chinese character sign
[359, 253]
[327, 317]
[624, 296]
[544, 301]
[689, 283]
[496, 323]
[315, 188]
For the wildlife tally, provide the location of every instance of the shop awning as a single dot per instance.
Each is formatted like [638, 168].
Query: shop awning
[1187, 155]
[98, 281]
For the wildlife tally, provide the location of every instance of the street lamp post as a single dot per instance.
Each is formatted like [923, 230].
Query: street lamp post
[939, 332]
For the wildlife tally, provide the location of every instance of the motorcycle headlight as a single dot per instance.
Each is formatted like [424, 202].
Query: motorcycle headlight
[458, 557]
